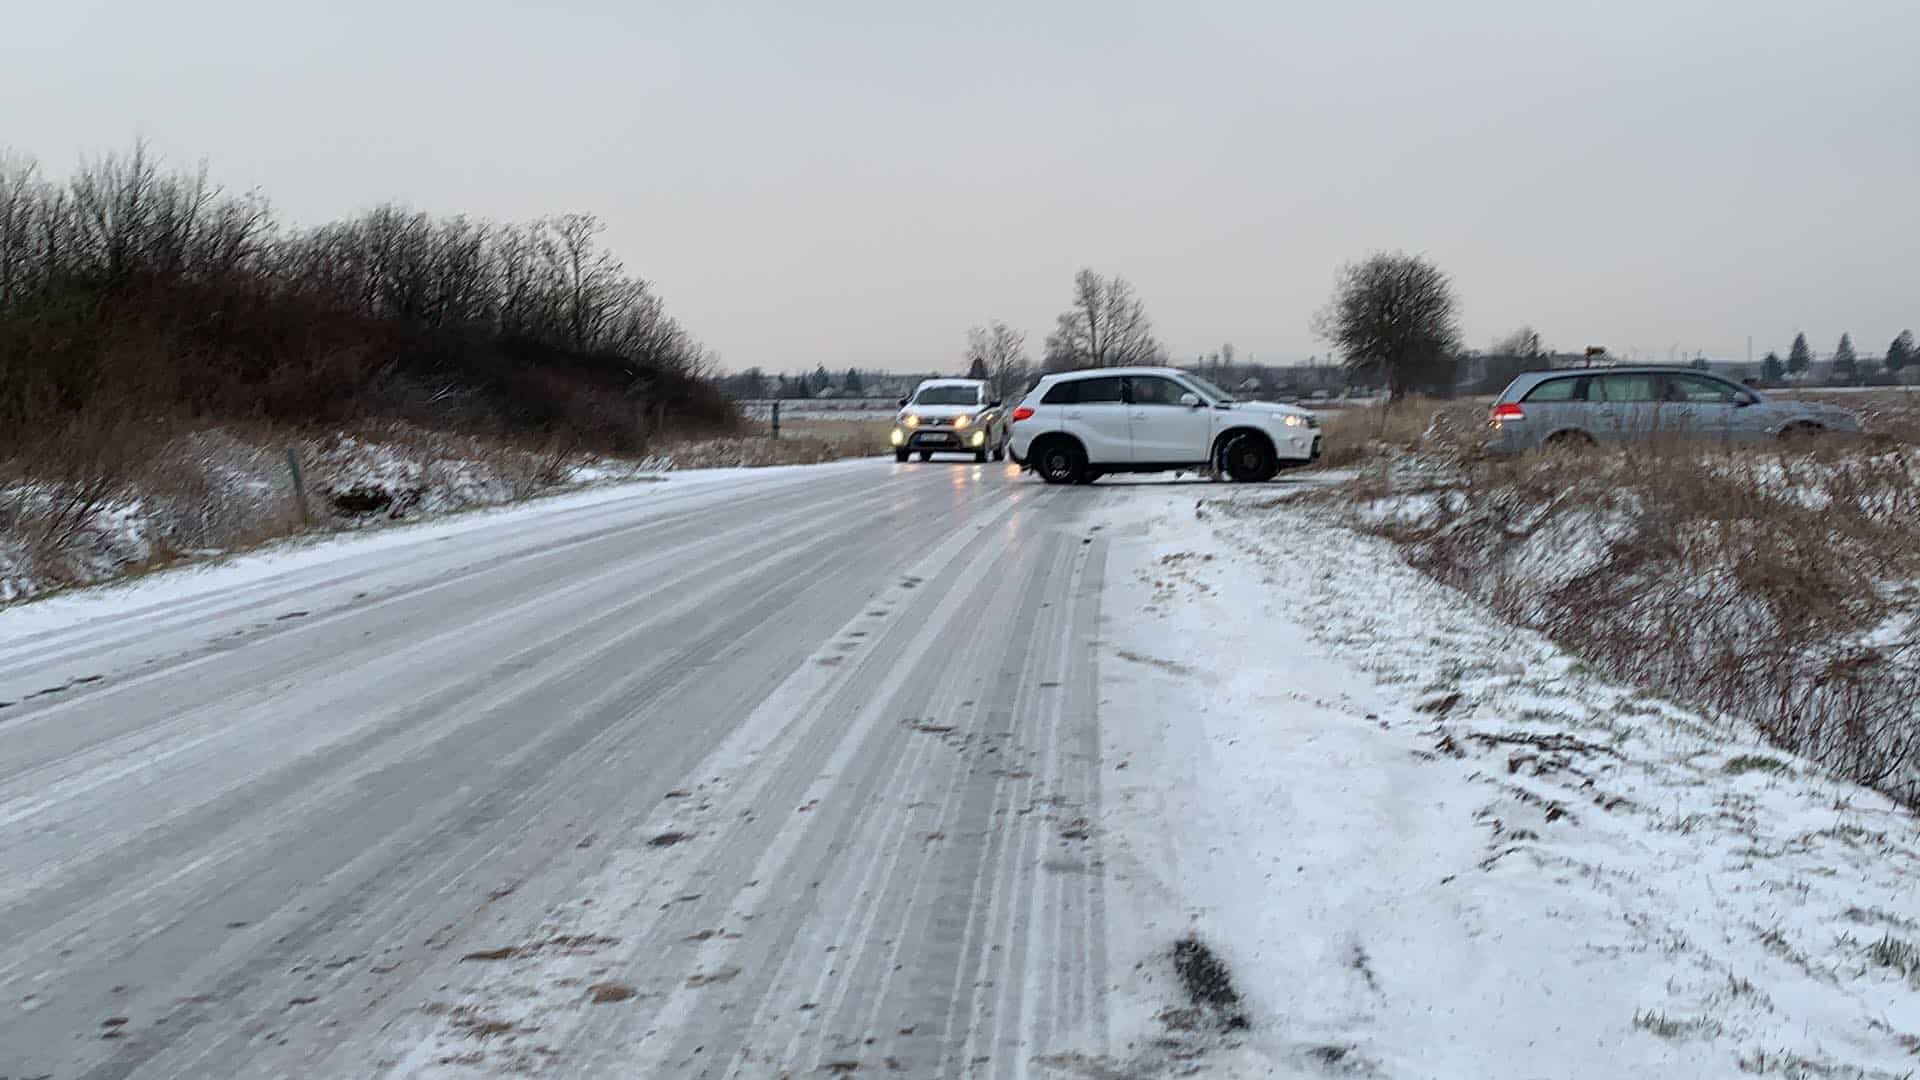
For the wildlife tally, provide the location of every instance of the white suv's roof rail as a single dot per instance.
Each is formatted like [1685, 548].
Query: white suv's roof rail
[1098, 372]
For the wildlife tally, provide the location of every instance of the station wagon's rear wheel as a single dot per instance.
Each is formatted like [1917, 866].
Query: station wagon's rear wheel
[1801, 431]
[1569, 441]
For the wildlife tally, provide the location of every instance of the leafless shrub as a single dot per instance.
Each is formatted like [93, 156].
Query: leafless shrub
[209, 489]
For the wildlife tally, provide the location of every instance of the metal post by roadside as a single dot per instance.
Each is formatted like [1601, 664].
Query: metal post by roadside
[776, 419]
[299, 485]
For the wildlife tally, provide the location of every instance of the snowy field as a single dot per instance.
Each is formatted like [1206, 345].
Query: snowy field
[849, 409]
[755, 773]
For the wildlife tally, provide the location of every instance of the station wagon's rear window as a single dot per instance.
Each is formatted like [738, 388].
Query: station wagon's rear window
[1624, 388]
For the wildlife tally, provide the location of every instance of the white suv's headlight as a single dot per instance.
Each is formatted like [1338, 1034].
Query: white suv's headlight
[910, 421]
[1294, 420]
[960, 422]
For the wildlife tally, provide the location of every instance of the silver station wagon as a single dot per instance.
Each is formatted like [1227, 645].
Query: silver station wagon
[1590, 406]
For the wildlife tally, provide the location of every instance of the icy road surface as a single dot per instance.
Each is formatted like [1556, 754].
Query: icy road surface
[767, 771]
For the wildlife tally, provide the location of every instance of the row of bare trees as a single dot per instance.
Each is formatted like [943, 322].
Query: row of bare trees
[121, 217]
[547, 280]
[126, 226]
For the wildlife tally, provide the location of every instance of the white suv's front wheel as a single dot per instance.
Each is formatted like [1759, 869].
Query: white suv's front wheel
[1249, 459]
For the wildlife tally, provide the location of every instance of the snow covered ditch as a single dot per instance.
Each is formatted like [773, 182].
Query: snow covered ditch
[211, 491]
[1426, 842]
[1783, 589]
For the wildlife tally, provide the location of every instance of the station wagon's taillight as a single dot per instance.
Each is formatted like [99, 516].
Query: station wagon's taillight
[1507, 411]
[1022, 413]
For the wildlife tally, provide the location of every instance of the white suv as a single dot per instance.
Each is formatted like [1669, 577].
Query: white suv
[1076, 426]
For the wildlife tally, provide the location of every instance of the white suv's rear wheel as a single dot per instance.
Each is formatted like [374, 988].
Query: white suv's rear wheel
[1059, 462]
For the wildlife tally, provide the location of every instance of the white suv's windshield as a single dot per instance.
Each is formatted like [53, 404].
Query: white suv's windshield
[947, 395]
[1208, 388]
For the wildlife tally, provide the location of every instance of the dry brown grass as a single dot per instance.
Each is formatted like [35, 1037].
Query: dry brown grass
[1409, 425]
[1782, 587]
[102, 498]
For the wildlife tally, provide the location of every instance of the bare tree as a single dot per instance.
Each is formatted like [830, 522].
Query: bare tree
[1000, 353]
[1107, 326]
[23, 198]
[1522, 344]
[1393, 314]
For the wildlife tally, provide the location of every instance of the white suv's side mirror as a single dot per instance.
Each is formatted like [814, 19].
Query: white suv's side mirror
[1190, 400]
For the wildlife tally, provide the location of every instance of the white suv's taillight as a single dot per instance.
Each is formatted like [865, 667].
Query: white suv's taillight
[1022, 413]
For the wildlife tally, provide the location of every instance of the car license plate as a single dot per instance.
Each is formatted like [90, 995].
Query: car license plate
[939, 438]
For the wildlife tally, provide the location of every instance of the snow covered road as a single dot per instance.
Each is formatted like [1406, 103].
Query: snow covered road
[913, 770]
[776, 767]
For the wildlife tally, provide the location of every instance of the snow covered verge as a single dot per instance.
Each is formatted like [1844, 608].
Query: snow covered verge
[1783, 589]
[211, 491]
[1425, 843]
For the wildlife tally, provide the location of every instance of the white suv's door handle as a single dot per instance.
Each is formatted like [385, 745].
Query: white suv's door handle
[1073, 414]
[1139, 414]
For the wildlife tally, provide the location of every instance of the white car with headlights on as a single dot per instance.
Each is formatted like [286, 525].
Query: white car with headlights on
[950, 416]
[1076, 426]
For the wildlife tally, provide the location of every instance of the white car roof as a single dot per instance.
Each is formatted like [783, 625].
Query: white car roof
[924, 383]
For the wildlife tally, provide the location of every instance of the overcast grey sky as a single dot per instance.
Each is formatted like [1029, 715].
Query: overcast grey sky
[855, 182]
